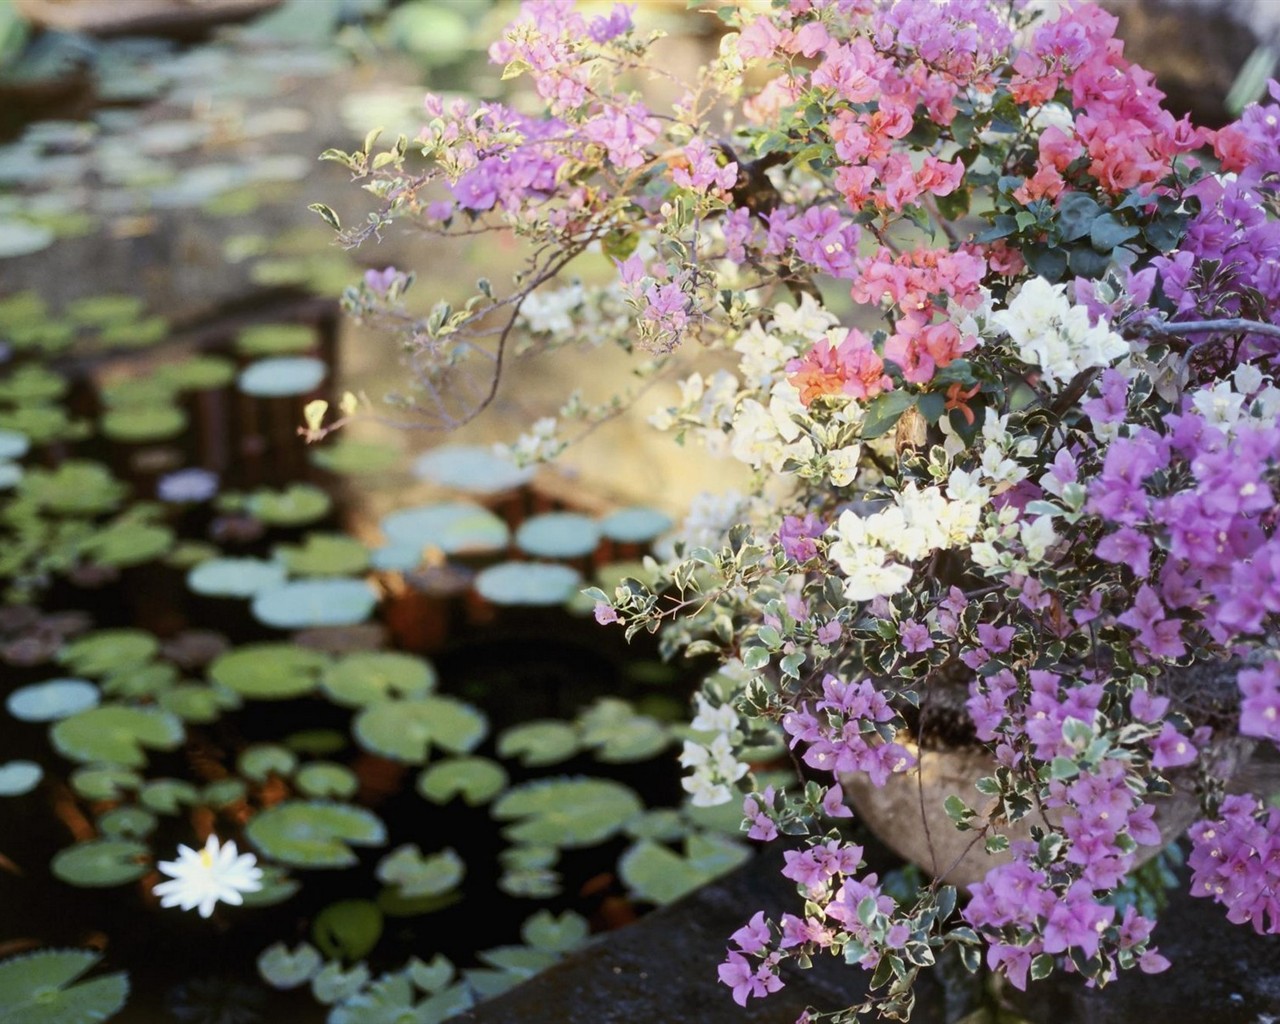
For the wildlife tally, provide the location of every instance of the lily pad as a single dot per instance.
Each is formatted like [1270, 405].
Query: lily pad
[269, 671]
[168, 796]
[326, 779]
[100, 863]
[223, 793]
[620, 735]
[284, 968]
[103, 310]
[324, 554]
[108, 650]
[558, 535]
[74, 488]
[116, 735]
[127, 542]
[472, 469]
[135, 392]
[127, 823]
[143, 424]
[538, 743]
[306, 604]
[44, 423]
[32, 383]
[235, 577]
[149, 680]
[13, 444]
[405, 730]
[104, 782]
[635, 525]
[396, 558]
[262, 760]
[281, 376]
[566, 812]
[296, 505]
[354, 458]
[544, 930]
[52, 700]
[22, 238]
[195, 702]
[414, 875]
[198, 373]
[276, 339]
[660, 875]
[476, 779]
[452, 527]
[527, 583]
[40, 988]
[332, 984]
[314, 834]
[277, 887]
[18, 778]
[369, 677]
[10, 475]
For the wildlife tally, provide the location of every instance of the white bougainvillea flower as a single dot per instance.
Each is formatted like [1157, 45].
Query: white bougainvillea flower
[202, 878]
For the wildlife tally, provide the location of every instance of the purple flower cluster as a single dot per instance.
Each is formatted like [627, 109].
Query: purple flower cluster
[842, 732]
[1235, 861]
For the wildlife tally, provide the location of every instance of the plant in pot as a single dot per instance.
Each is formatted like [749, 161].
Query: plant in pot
[1016, 499]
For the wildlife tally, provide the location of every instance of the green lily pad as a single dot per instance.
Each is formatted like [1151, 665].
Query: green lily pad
[306, 604]
[198, 373]
[635, 525]
[471, 468]
[187, 554]
[18, 778]
[538, 743]
[168, 796]
[108, 650]
[13, 444]
[566, 812]
[527, 583]
[660, 875]
[277, 887]
[476, 779]
[414, 875]
[135, 334]
[454, 527]
[74, 488]
[50, 338]
[44, 423]
[138, 392]
[102, 310]
[31, 383]
[276, 340]
[195, 702]
[127, 823]
[619, 735]
[332, 984]
[143, 424]
[127, 542]
[52, 700]
[40, 988]
[390, 1000]
[282, 376]
[100, 863]
[326, 779]
[223, 793]
[104, 782]
[262, 760]
[368, 677]
[140, 680]
[663, 824]
[562, 934]
[283, 968]
[235, 577]
[405, 730]
[521, 962]
[269, 671]
[296, 505]
[22, 308]
[354, 458]
[312, 834]
[116, 735]
[558, 535]
[324, 554]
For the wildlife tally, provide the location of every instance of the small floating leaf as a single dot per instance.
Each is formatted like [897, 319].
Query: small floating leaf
[269, 671]
[18, 778]
[311, 834]
[277, 887]
[327, 779]
[356, 458]
[13, 444]
[660, 875]
[168, 796]
[405, 730]
[527, 583]
[558, 535]
[101, 310]
[195, 702]
[620, 735]
[140, 680]
[116, 735]
[39, 988]
[368, 677]
[453, 527]
[198, 373]
[32, 382]
[75, 488]
[104, 782]
[22, 238]
[414, 875]
[635, 525]
[471, 468]
[108, 650]
[223, 793]
[431, 977]
[539, 743]
[296, 505]
[557, 934]
[127, 823]
[127, 542]
[261, 760]
[100, 863]
[281, 376]
[476, 779]
[276, 339]
[306, 604]
[283, 968]
[235, 577]
[566, 812]
[332, 984]
[52, 700]
[324, 554]
[143, 423]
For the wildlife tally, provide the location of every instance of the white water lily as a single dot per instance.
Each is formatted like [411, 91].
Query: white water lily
[202, 878]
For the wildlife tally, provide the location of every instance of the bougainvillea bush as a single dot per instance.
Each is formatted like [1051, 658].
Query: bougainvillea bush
[1033, 460]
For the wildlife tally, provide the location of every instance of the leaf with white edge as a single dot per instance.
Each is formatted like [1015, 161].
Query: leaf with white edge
[566, 812]
[431, 977]
[283, 968]
[313, 834]
[544, 930]
[40, 988]
[331, 984]
[371, 676]
[405, 730]
[235, 577]
[539, 743]
[168, 796]
[416, 875]
[269, 671]
[619, 735]
[348, 929]
[116, 735]
[326, 779]
[52, 700]
[18, 778]
[476, 779]
[100, 863]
